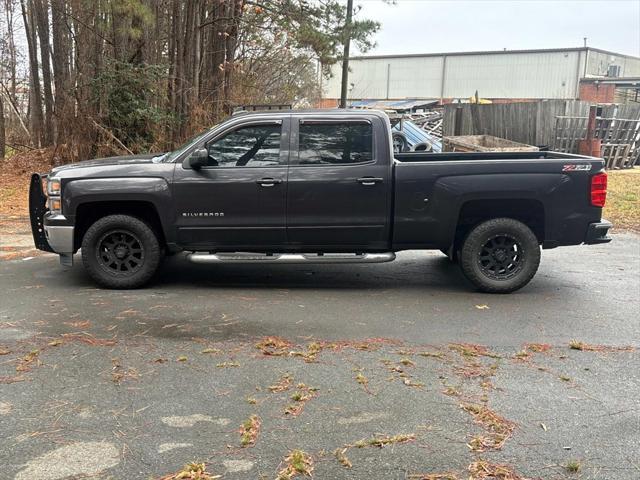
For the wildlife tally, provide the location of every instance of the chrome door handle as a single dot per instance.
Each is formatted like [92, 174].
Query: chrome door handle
[268, 182]
[369, 180]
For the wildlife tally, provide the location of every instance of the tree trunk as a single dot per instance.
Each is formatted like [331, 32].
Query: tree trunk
[61, 70]
[42, 23]
[36, 118]
[2, 131]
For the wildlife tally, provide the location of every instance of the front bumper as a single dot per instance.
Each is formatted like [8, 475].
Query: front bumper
[598, 233]
[60, 237]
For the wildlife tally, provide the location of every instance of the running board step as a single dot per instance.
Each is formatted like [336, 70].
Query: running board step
[198, 257]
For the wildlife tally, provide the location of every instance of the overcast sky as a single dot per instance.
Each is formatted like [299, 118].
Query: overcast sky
[432, 26]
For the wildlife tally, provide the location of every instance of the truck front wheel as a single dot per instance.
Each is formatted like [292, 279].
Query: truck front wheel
[500, 255]
[120, 251]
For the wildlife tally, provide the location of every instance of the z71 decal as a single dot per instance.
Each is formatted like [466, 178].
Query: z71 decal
[580, 167]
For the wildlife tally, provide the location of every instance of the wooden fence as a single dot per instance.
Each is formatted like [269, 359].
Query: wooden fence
[532, 123]
[618, 128]
[557, 124]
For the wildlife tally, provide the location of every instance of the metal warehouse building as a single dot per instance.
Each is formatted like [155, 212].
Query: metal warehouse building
[569, 73]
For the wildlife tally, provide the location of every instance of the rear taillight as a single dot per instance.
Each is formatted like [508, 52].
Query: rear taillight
[599, 190]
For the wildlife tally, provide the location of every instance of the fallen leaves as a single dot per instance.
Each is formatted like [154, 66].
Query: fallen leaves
[273, 346]
[88, 339]
[585, 347]
[82, 324]
[212, 351]
[341, 456]
[498, 428]
[297, 463]
[482, 469]
[537, 347]
[192, 471]
[434, 476]
[25, 363]
[302, 395]
[283, 384]
[227, 365]
[384, 440]
[250, 430]
[379, 441]
[7, 380]
[362, 379]
[119, 374]
[472, 350]
[312, 351]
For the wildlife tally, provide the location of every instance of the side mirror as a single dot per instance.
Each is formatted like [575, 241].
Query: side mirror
[198, 159]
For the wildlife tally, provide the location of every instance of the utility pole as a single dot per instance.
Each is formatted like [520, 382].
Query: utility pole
[345, 59]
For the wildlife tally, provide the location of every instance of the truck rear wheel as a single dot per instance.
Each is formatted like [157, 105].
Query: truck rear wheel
[500, 255]
[120, 251]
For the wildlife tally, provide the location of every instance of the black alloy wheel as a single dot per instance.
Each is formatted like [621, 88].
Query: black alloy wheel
[120, 252]
[501, 257]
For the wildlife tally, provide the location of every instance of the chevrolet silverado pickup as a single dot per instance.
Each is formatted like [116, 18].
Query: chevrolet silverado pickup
[319, 186]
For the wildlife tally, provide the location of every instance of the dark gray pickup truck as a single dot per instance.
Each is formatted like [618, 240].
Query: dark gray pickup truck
[317, 187]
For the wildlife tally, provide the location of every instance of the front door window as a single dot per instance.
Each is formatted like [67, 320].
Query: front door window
[250, 146]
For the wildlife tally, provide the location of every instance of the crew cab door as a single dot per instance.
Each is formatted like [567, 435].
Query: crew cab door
[238, 200]
[339, 184]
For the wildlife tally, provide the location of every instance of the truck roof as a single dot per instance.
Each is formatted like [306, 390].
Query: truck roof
[314, 111]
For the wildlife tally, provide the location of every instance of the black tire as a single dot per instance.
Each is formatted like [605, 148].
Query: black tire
[400, 142]
[500, 255]
[120, 251]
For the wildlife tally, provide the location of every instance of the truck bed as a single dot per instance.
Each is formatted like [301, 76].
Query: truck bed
[433, 190]
[453, 156]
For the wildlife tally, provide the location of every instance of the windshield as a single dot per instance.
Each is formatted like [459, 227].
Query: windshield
[171, 156]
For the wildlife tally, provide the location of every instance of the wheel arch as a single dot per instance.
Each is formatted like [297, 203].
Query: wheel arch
[531, 212]
[88, 213]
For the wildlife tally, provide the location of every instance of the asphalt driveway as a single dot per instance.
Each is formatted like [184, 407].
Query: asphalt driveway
[373, 371]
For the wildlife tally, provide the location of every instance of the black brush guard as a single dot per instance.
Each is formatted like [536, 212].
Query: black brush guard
[37, 210]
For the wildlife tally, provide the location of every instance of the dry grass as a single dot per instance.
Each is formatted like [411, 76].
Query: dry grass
[623, 199]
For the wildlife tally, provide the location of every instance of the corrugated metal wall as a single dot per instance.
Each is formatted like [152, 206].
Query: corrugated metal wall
[599, 63]
[533, 74]
[526, 75]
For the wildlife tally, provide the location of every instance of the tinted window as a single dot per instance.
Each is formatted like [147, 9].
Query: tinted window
[251, 146]
[335, 143]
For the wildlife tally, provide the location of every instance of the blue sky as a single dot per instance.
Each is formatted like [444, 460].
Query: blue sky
[431, 26]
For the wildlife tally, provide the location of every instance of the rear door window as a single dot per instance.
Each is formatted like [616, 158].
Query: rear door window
[339, 143]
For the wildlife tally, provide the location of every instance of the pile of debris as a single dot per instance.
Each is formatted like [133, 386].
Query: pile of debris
[416, 123]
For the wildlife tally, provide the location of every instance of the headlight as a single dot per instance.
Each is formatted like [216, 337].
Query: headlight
[53, 186]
